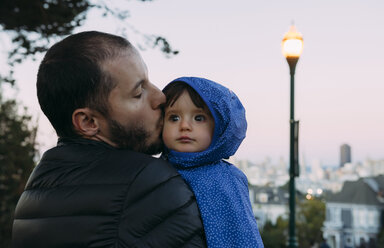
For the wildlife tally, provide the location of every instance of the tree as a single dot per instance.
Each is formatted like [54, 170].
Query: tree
[33, 24]
[275, 235]
[310, 218]
[309, 221]
[380, 238]
[17, 153]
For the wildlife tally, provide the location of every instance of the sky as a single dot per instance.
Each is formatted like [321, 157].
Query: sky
[339, 81]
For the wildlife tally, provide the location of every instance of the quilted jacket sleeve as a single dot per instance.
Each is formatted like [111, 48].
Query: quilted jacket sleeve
[160, 211]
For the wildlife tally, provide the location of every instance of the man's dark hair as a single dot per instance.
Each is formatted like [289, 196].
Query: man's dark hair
[174, 90]
[71, 76]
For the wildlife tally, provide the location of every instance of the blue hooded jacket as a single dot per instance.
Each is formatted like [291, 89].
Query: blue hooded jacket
[220, 188]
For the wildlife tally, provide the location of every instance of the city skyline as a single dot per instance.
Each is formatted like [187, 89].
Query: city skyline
[339, 80]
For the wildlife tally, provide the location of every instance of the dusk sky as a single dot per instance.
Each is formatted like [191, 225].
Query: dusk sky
[339, 77]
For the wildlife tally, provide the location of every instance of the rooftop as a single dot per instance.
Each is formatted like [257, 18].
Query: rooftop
[367, 191]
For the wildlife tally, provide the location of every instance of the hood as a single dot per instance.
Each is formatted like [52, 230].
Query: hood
[230, 124]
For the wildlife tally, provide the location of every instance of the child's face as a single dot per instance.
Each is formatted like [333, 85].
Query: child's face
[187, 128]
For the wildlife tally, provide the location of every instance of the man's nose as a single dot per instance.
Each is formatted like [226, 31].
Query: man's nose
[157, 97]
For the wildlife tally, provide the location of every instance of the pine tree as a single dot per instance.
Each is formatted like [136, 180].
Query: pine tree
[33, 26]
[17, 154]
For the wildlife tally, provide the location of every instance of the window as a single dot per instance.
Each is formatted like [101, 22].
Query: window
[346, 218]
[328, 215]
[263, 197]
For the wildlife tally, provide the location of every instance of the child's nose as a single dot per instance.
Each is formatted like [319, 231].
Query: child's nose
[185, 125]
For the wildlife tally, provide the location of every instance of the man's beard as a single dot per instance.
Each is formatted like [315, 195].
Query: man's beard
[135, 138]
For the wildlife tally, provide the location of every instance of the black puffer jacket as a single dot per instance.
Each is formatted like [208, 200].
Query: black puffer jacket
[85, 193]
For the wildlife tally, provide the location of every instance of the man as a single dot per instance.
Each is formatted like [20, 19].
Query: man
[97, 187]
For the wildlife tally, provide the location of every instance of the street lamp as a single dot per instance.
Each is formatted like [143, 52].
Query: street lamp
[292, 46]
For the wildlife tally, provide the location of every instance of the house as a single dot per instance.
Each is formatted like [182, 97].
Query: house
[354, 215]
[268, 203]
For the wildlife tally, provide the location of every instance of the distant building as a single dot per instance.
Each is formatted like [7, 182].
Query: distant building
[374, 167]
[354, 215]
[345, 154]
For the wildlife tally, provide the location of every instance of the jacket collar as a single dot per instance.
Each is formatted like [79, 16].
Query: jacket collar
[82, 141]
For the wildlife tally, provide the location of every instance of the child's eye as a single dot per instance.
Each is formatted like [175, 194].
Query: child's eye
[200, 118]
[174, 118]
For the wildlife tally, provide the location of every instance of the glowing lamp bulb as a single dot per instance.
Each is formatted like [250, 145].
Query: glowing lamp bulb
[292, 44]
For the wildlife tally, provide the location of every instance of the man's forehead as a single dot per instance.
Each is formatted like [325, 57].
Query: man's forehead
[126, 54]
[128, 68]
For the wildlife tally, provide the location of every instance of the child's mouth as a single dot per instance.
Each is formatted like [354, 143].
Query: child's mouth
[185, 139]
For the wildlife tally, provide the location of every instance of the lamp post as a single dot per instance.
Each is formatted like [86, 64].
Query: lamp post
[292, 46]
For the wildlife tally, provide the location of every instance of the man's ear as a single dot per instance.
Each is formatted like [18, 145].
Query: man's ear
[85, 122]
